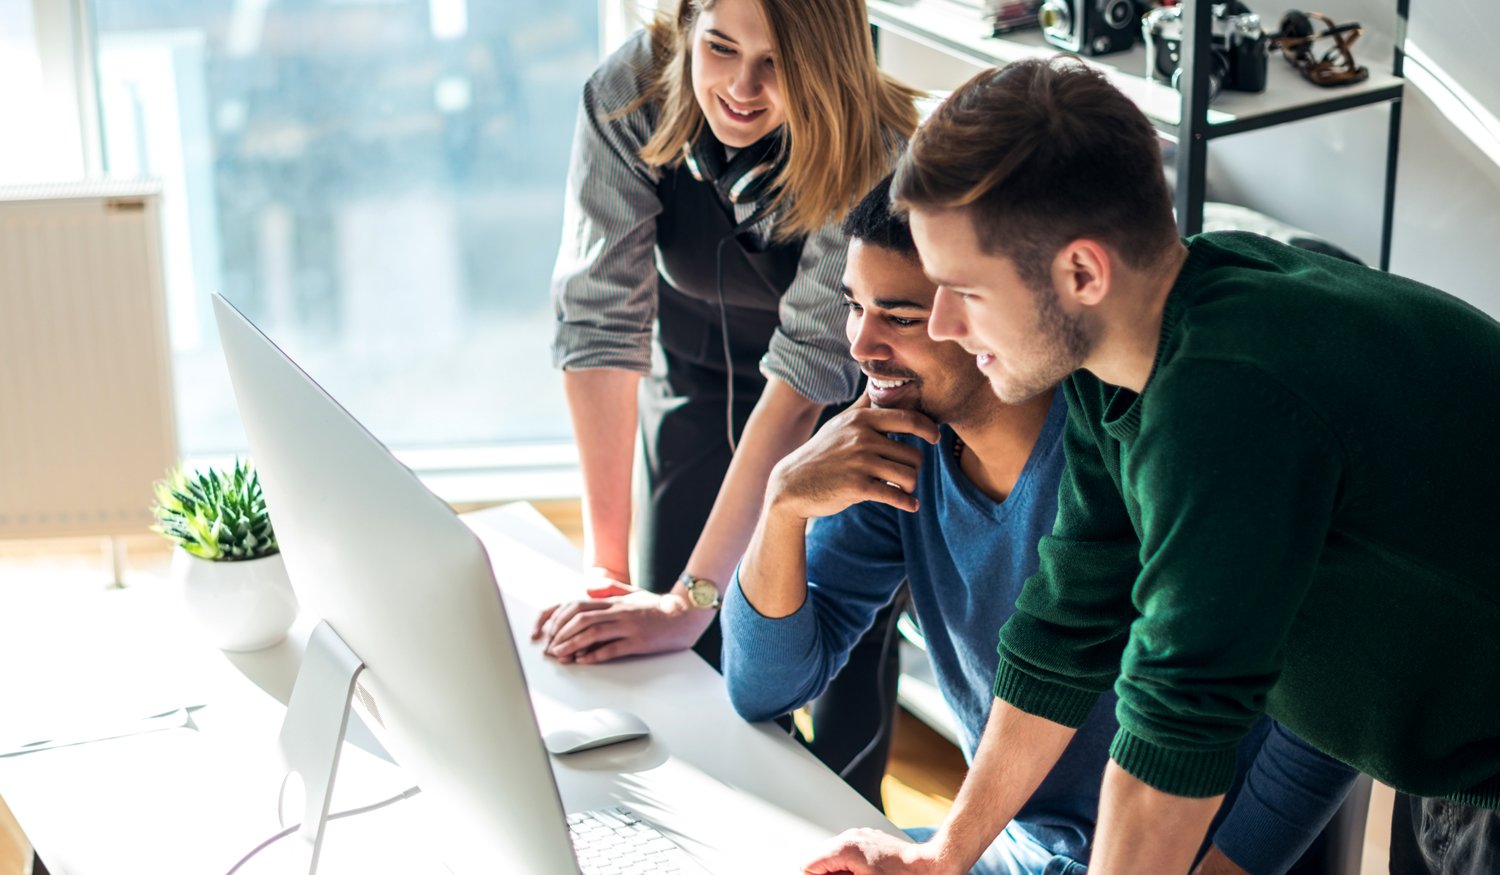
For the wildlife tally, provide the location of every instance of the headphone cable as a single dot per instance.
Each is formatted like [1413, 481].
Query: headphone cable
[749, 222]
[724, 336]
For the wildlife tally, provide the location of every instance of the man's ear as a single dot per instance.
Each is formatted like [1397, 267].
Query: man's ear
[1081, 271]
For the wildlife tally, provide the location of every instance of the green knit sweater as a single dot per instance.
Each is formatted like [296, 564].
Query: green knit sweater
[1298, 515]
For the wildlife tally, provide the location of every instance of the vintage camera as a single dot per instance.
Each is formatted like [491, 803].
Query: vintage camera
[1237, 57]
[1090, 27]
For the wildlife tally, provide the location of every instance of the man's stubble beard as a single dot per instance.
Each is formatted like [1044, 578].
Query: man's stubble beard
[1067, 343]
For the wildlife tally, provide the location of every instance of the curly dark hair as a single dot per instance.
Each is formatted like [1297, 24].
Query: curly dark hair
[873, 221]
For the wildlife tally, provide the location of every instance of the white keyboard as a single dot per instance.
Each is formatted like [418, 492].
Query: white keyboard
[614, 841]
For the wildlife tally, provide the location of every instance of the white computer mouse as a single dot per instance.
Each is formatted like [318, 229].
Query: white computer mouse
[584, 730]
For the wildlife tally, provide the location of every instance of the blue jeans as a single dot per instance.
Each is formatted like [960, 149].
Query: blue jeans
[1014, 852]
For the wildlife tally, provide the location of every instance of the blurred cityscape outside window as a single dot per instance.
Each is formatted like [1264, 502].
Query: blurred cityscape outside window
[378, 184]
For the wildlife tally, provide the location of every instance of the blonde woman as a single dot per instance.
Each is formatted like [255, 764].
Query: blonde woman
[716, 152]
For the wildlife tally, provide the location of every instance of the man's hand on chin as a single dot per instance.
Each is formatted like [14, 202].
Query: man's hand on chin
[872, 852]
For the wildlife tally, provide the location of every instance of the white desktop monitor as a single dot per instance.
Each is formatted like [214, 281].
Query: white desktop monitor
[408, 587]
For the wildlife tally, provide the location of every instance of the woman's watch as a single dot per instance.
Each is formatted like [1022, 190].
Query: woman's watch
[702, 592]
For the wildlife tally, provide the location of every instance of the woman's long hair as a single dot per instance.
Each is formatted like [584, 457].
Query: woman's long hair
[843, 115]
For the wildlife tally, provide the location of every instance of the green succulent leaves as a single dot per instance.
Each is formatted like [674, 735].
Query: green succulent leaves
[217, 515]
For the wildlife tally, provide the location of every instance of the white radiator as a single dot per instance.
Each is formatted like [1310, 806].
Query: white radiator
[86, 421]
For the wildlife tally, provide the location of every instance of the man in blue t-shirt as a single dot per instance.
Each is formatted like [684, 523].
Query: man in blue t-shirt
[931, 479]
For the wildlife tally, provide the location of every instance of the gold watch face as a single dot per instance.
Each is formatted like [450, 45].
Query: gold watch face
[703, 594]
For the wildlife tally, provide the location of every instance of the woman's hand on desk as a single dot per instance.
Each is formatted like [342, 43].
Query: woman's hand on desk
[601, 629]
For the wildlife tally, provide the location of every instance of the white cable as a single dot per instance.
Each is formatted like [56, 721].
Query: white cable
[404, 794]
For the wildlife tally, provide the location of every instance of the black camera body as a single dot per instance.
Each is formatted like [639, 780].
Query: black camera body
[1090, 27]
[1238, 48]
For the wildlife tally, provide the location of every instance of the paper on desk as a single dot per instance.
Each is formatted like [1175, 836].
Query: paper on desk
[174, 719]
[91, 667]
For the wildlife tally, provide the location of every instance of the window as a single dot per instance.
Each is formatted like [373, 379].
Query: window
[377, 183]
[38, 97]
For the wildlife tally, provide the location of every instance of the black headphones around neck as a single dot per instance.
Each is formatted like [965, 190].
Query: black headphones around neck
[747, 177]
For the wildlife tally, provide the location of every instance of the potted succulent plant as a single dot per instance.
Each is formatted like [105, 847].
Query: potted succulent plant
[227, 565]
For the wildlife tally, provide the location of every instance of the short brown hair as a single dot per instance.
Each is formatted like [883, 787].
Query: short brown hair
[1043, 152]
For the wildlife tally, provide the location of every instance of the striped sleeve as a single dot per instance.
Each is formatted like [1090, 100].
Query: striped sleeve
[809, 350]
[604, 281]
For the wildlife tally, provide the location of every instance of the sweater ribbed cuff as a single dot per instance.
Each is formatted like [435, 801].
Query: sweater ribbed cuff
[1195, 773]
[1486, 795]
[1059, 703]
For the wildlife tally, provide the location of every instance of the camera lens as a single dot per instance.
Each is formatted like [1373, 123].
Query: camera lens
[1118, 13]
[1056, 18]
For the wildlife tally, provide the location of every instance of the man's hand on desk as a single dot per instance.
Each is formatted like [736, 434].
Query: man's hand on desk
[872, 852]
[601, 629]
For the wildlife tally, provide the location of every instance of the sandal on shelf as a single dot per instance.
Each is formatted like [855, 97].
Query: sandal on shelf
[1336, 66]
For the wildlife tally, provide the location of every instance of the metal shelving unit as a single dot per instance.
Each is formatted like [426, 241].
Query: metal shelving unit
[958, 30]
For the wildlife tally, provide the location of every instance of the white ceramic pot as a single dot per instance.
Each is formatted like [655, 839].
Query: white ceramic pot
[245, 605]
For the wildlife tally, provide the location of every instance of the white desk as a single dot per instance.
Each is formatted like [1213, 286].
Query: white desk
[739, 797]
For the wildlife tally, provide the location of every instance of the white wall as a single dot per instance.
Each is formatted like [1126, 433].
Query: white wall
[618, 19]
[1448, 190]
[1327, 175]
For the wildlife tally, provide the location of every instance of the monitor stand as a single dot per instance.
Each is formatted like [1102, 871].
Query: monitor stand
[317, 718]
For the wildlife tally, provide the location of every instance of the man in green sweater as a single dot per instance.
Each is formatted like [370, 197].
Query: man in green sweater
[1280, 494]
